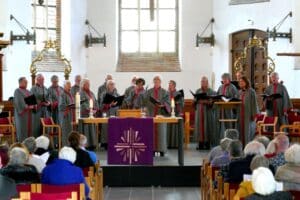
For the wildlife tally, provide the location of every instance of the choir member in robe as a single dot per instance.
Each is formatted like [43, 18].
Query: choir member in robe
[66, 108]
[102, 87]
[135, 98]
[109, 109]
[277, 107]
[88, 100]
[54, 92]
[205, 132]
[172, 133]
[22, 111]
[76, 87]
[131, 87]
[161, 95]
[247, 111]
[230, 91]
[42, 97]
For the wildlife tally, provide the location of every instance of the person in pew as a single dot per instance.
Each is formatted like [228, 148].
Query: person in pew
[45, 150]
[263, 139]
[264, 185]
[18, 170]
[4, 155]
[289, 173]
[66, 108]
[232, 134]
[8, 188]
[82, 145]
[89, 102]
[205, 132]
[223, 159]
[102, 88]
[54, 93]
[76, 87]
[33, 159]
[157, 102]
[62, 171]
[22, 110]
[83, 159]
[42, 97]
[131, 87]
[281, 145]
[277, 106]
[247, 110]
[271, 149]
[135, 98]
[228, 90]
[178, 97]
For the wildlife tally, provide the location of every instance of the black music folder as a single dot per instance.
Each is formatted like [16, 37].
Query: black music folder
[108, 99]
[30, 100]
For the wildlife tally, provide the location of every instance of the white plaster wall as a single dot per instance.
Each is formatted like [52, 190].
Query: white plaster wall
[194, 16]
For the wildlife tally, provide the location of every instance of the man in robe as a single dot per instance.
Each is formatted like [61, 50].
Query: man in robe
[134, 100]
[131, 87]
[76, 87]
[66, 108]
[102, 87]
[205, 132]
[161, 108]
[178, 98]
[23, 111]
[42, 97]
[278, 106]
[54, 92]
[89, 101]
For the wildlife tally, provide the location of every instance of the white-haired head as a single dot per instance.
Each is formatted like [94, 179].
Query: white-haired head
[67, 82]
[42, 142]
[18, 156]
[292, 154]
[84, 82]
[271, 148]
[67, 153]
[263, 181]
[158, 77]
[254, 148]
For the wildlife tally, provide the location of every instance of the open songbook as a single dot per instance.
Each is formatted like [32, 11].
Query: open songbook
[204, 96]
[108, 99]
[233, 99]
[154, 101]
[30, 100]
[271, 96]
[72, 105]
[180, 94]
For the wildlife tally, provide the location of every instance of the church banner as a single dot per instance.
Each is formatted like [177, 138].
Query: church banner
[130, 141]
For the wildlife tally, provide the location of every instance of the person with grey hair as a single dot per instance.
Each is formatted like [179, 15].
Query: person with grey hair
[22, 110]
[66, 108]
[264, 185]
[42, 97]
[88, 98]
[223, 159]
[229, 90]
[102, 88]
[277, 106]
[263, 139]
[82, 145]
[68, 172]
[131, 87]
[205, 133]
[76, 87]
[33, 159]
[54, 93]
[18, 170]
[45, 150]
[281, 145]
[289, 173]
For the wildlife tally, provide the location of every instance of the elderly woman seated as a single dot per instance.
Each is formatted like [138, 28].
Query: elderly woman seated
[264, 185]
[17, 169]
[45, 149]
[62, 171]
[224, 158]
[289, 173]
[281, 145]
[238, 167]
[33, 159]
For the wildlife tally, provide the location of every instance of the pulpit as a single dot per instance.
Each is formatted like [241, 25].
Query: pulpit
[227, 106]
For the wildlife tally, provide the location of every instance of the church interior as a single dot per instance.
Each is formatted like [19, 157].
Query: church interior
[186, 43]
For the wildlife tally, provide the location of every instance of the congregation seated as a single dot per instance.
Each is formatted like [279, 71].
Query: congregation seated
[281, 145]
[33, 159]
[263, 139]
[245, 187]
[289, 173]
[264, 185]
[232, 134]
[238, 167]
[3, 155]
[18, 170]
[224, 158]
[83, 143]
[271, 149]
[62, 171]
[44, 149]
[83, 159]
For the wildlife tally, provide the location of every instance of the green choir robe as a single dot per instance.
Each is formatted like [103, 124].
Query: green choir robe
[160, 136]
[205, 130]
[279, 106]
[101, 89]
[128, 90]
[172, 130]
[41, 94]
[135, 99]
[54, 93]
[22, 114]
[75, 89]
[66, 115]
[246, 115]
[89, 130]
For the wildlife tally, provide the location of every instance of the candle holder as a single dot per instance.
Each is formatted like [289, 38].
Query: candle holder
[173, 111]
[91, 113]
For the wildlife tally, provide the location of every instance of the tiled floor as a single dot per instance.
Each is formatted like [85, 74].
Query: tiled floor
[152, 193]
